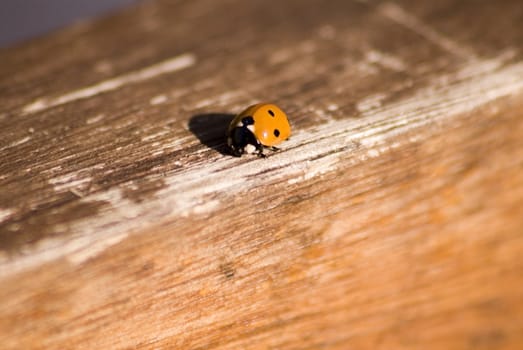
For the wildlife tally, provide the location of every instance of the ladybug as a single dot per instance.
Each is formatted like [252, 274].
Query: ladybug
[258, 127]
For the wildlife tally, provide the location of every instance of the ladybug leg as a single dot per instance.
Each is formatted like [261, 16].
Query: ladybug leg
[237, 152]
[233, 149]
[275, 149]
[260, 150]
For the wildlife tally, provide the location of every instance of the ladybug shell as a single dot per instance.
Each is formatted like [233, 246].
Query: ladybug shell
[271, 125]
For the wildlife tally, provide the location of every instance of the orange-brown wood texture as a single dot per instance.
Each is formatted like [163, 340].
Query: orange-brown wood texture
[392, 218]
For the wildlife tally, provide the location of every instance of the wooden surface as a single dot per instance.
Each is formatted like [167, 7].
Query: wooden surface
[393, 217]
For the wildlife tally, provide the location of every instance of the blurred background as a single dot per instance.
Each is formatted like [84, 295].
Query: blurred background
[21, 20]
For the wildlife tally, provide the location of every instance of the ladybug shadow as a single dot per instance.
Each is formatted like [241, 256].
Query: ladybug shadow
[211, 130]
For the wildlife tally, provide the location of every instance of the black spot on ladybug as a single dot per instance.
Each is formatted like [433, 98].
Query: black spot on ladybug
[248, 120]
[271, 113]
[276, 132]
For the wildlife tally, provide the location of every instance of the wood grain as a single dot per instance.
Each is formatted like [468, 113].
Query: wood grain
[392, 218]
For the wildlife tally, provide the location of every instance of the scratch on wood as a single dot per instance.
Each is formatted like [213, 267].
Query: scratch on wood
[155, 136]
[402, 17]
[68, 181]
[203, 208]
[332, 107]
[168, 66]
[76, 192]
[17, 143]
[221, 99]
[158, 100]
[485, 66]
[312, 169]
[5, 214]
[95, 119]
[95, 247]
[386, 60]
[371, 102]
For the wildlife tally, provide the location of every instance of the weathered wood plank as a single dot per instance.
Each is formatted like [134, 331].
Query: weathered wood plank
[392, 218]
